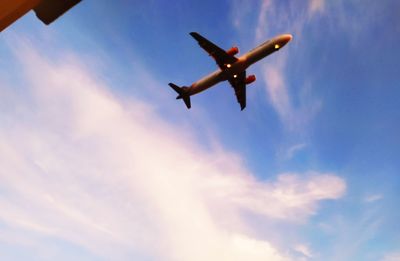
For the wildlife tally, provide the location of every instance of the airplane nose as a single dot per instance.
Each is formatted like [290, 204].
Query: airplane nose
[287, 37]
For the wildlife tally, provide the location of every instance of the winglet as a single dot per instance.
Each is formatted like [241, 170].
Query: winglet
[197, 36]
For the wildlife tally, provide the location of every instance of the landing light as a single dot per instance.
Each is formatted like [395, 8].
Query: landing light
[228, 65]
[277, 46]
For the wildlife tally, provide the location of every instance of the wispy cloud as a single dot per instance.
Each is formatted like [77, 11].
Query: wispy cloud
[395, 256]
[373, 198]
[316, 6]
[274, 19]
[277, 90]
[352, 235]
[262, 20]
[304, 250]
[291, 151]
[110, 176]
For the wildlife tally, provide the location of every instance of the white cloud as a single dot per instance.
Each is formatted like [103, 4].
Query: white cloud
[392, 257]
[275, 18]
[352, 235]
[373, 198]
[294, 109]
[262, 23]
[316, 6]
[295, 149]
[304, 250]
[277, 91]
[112, 177]
[293, 117]
[289, 198]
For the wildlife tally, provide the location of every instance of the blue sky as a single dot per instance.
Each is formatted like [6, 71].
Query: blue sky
[100, 162]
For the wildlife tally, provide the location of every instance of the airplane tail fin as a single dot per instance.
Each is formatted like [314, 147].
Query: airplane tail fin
[182, 94]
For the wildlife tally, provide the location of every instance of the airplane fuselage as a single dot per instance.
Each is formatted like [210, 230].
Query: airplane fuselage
[240, 65]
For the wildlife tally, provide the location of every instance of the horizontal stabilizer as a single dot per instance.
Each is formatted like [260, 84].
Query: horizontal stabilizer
[182, 94]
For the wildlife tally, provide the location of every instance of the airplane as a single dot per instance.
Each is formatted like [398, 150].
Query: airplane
[231, 68]
[46, 10]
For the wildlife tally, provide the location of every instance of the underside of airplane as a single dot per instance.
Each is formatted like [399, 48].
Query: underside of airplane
[231, 68]
[46, 10]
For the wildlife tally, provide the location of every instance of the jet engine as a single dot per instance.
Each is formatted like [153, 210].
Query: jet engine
[250, 79]
[234, 50]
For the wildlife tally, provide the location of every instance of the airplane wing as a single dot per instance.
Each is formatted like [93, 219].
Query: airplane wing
[220, 56]
[239, 85]
[46, 10]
